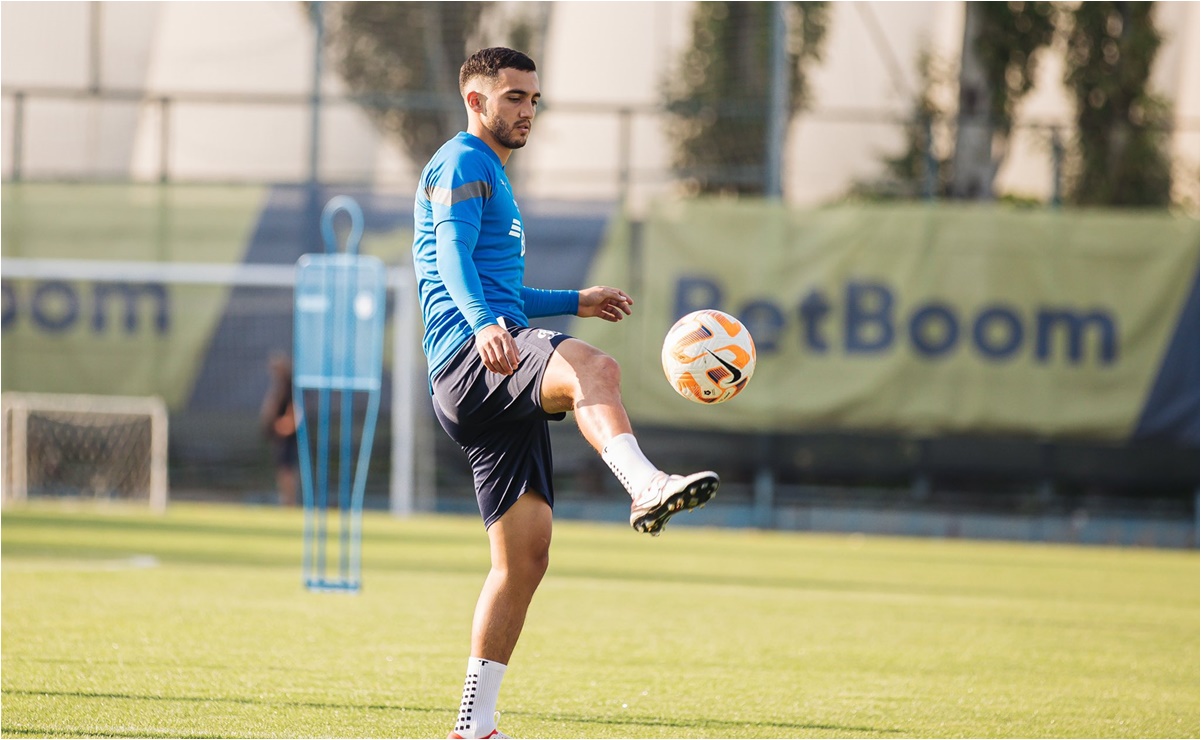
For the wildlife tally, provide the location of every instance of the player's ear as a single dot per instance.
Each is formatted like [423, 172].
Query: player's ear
[476, 101]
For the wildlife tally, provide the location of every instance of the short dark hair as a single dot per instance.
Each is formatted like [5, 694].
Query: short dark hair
[489, 62]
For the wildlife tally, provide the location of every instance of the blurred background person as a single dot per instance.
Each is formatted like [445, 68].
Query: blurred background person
[277, 417]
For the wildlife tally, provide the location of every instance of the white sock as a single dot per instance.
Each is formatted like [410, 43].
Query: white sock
[480, 688]
[627, 462]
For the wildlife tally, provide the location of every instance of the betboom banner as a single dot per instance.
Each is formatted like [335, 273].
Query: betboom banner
[917, 318]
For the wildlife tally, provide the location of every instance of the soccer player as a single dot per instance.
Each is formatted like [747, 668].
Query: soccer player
[496, 381]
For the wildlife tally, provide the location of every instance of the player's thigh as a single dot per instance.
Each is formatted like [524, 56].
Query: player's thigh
[574, 366]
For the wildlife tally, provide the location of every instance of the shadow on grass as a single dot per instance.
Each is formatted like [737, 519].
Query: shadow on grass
[172, 540]
[689, 724]
[286, 529]
[219, 700]
[145, 663]
[13, 731]
[155, 525]
[428, 566]
[695, 724]
[383, 560]
[158, 526]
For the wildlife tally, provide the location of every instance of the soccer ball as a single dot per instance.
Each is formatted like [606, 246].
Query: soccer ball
[708, 356]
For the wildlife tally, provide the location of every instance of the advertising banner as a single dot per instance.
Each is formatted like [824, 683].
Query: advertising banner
[125, 337]
[918, 318]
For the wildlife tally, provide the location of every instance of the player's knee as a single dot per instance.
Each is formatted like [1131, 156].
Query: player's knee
[603, 369]
[525, 565]
[533, 563]
[540, 562]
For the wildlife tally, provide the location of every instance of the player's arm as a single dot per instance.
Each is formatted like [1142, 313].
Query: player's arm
[455, 244]
[600, 301]
[538, 302]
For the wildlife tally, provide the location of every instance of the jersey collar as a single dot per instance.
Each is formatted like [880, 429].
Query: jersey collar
[476, 142]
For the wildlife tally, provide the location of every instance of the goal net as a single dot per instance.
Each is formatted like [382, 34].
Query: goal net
[85, 447]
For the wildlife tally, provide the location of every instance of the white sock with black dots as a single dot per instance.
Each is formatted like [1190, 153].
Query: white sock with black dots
[625, 459]
[480, 689]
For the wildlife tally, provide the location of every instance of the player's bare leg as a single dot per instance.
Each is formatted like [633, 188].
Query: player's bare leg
[583, 379]
[520, 547]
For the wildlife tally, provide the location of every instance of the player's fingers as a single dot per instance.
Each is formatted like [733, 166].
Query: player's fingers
[622, 296]
[606, 294]
[510, 353]
[494, 356]
[487, 358]
[501, 354]
[499, 364]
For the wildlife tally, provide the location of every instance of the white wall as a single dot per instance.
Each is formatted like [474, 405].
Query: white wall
[599, 57]
[163, 49]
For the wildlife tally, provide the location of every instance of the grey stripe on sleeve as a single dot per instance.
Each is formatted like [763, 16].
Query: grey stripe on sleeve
[466, 191]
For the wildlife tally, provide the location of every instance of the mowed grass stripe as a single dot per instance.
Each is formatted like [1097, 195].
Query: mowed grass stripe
[119, 623]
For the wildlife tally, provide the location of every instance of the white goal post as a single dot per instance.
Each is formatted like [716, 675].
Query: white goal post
[85, 446]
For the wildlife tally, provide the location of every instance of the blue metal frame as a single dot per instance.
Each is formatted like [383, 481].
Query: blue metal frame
[338, 345]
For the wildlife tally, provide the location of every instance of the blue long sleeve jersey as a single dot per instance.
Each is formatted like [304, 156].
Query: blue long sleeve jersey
[469, 251]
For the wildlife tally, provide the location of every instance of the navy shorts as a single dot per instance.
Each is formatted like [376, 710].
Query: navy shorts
[498, 420]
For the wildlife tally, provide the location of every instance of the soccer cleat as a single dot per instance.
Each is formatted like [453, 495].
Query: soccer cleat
[667, 495]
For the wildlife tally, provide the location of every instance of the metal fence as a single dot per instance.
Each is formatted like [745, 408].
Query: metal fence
[584, 151]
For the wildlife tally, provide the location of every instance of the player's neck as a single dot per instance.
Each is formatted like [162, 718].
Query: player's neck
[481, 132]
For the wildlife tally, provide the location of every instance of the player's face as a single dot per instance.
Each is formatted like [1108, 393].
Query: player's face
[510, 107]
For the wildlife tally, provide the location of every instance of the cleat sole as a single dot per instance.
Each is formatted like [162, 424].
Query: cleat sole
[693, 496]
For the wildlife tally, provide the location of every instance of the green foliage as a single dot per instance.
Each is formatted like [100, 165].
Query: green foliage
[1122, 136]
[720, 90]
[1009, 38]
[403, 59]
[917, 171]
[1120, 154]
[194, 624]
[996, 71]
[1010, 35]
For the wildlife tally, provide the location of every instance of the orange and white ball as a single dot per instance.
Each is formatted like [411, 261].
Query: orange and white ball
[708, 356]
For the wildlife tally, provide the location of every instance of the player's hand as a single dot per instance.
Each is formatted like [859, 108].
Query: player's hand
[605, 303]
[497, 349]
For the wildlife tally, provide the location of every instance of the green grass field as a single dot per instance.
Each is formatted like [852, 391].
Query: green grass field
[123, 624]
